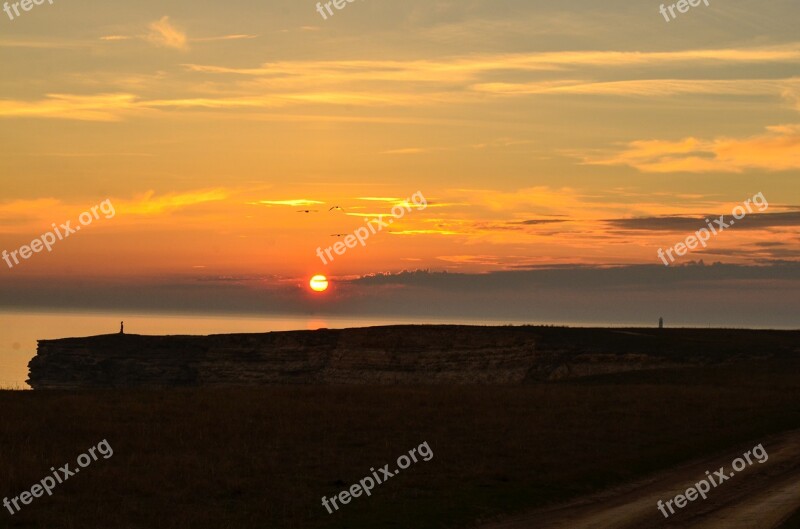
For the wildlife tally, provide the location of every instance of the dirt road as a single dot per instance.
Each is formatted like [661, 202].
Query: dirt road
[761, 496]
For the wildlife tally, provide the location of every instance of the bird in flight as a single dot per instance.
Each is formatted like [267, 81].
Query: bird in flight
[307, 211]
[337, 207]
[338, 234]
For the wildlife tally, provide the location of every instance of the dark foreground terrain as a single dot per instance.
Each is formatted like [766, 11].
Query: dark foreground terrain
[263, 457]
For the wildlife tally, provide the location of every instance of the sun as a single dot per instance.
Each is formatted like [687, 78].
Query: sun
[319, 283]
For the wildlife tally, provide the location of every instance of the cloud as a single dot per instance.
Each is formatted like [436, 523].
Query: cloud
[475, 79]
[778, 149]
[292, 202]
[545, 200]
[535, 222]
[469, 259]
[99, 107]
[645, 87]
[116, 37]
[754, 221]
[32, 214]
[112, 107]
[425, 232]
[471, 66]
[162, 33]
[224, 37]
[59, 44]
[662, 223]
[692, 295]
[588, 277]
[151, 204]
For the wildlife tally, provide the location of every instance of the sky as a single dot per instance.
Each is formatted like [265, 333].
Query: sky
[557, 145]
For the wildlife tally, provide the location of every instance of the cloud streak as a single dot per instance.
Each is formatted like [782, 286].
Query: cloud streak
[646, 87]
[412, 83]
[778, 149]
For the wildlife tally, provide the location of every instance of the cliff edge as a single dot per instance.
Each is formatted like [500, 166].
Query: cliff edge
[407, 354]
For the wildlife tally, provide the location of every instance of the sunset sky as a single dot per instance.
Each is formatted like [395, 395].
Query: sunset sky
[558, 145]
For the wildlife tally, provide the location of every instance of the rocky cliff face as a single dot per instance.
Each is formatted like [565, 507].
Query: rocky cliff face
[382, 355]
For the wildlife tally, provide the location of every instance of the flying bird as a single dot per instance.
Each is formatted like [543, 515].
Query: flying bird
[338, 234]
[307, 211]
[337, 207]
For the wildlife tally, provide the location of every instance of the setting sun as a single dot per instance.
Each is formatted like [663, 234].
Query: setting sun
[319, 283]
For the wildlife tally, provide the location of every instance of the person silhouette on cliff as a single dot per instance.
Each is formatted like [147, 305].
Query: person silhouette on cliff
[122, 327]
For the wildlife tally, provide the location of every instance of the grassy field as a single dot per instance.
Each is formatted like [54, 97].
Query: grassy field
[263, 458]
[793, 522]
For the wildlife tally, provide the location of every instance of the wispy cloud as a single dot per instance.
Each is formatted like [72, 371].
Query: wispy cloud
[151, 203]
[291, 202]
[469, 67]
[536, 222]
[116, 37]
[755, 221]
[778, 149]
[425, 232]
[473, 79]
[163, 33]
[100, 107]
[45, 43]
[645, 87]
[224, 37]
[32, 214]
[113, 107]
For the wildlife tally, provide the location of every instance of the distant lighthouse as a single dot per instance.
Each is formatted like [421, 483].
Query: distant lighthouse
[660, 323]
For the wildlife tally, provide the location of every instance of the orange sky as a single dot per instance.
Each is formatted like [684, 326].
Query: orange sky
[536, 131]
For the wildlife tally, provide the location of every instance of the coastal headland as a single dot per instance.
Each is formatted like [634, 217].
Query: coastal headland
[402, 354]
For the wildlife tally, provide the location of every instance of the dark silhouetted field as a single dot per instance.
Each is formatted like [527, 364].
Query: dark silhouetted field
[264, 457]
[793, 523]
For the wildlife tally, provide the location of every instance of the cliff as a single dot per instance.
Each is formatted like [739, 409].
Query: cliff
[410, 354]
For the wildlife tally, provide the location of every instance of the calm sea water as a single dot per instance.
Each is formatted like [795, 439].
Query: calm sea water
[20, 330]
